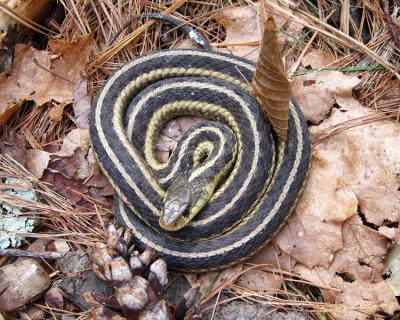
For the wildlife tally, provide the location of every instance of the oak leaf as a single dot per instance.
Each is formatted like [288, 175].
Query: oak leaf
[43, 76]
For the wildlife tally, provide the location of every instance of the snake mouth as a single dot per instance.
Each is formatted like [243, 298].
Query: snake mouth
[173, 210]
[175, 224]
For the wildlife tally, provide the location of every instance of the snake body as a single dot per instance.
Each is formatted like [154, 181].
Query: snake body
[248, 207]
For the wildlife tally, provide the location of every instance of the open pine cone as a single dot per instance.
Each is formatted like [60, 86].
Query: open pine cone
[139, 280]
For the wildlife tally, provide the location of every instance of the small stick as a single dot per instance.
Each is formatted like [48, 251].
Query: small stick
[52, 72]
[23, 253]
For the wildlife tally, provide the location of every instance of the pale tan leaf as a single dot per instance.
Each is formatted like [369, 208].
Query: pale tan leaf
[37, 161]
[82, 104]
[242, 27]
[56, 113]
[244, 31]
[348, 214]
[316, 59]
[214, 279]
[272, 255]
[75, 139]
[270, 85]
[362, 297]
[261, 281]
[318, 92]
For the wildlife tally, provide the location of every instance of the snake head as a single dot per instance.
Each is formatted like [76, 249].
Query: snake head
[176, 203]
[183, 201]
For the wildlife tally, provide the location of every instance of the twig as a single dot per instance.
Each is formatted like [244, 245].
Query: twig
[349, 124]
[302, 54]
[52, 72]
[388, 17]
[23, 253]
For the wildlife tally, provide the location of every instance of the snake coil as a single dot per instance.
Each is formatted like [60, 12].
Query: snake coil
[251, 204]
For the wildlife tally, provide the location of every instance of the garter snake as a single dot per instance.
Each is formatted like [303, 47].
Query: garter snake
[248, 207]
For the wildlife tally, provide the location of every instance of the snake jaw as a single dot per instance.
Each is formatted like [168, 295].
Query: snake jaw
[173, 210]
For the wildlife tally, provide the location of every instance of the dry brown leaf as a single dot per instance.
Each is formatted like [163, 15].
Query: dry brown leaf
[43, 76]
[363, 297]
[22, 80]
[70, 160]
[272, 255]
[364, 250]
[69, 58]
[317, 93]
[77, 138]
[7, 111]
[171, 133]
[56, 112]
[390, 233]
[205, 280]
[72, 189]
[244, 31]
[73, 170]
[270, 85]
[14, 147]
[30, 10]
[368, 158]
[99, 186]
[74, 166]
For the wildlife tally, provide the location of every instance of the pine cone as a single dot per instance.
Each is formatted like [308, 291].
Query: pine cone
[139, 280]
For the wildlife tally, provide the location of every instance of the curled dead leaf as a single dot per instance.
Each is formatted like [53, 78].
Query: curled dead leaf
[270, 85]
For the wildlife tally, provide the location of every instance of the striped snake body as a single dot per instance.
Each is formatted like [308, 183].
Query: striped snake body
[264, 183]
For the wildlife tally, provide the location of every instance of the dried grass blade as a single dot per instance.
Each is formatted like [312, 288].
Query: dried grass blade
[23, 20]
[335, 34]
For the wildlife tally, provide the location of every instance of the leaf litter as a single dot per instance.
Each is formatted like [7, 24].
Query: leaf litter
[345, 222]
[55, 73]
